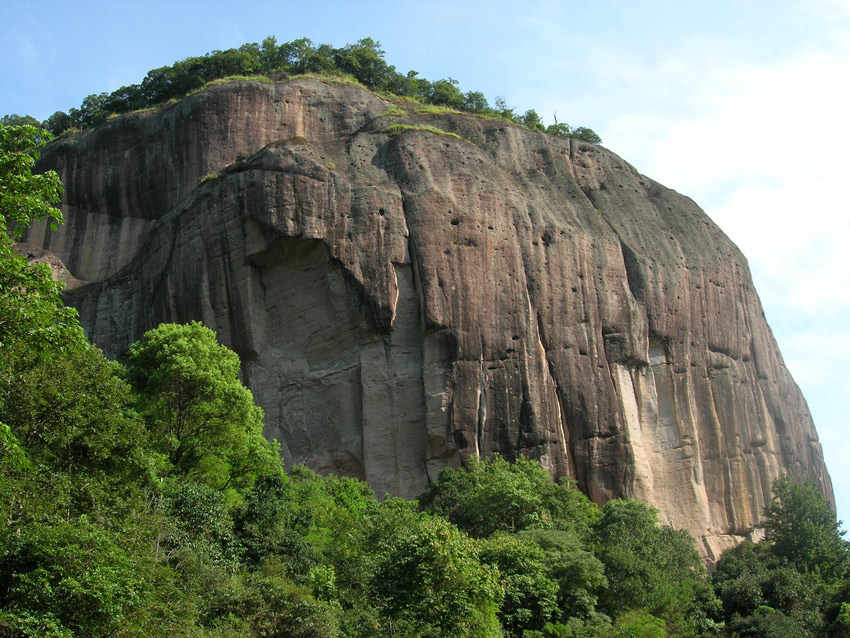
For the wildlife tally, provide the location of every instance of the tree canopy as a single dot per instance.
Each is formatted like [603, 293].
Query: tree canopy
[198, 412]
[30, 308]
[362, 61]
[801, 527]
[796, 582]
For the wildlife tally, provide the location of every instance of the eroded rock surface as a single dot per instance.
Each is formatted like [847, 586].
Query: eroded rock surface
[402, 302]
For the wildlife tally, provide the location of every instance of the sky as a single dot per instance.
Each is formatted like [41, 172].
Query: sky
[743, 106]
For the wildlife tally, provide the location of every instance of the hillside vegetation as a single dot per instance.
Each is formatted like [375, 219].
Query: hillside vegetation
[362, 62]
[141, 499]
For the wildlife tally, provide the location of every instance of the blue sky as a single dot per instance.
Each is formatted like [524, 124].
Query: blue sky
[742, 106]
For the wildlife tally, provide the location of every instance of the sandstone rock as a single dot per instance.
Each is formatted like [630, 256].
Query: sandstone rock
[401, 302]
[38, 255]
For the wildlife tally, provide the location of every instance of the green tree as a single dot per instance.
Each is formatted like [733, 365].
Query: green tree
[31, 313]
[491, 494]
[198, 412]
[560, 129]
[123, 100]
[72, 412]
[580, 576]
[794, 583]
[432, 584]
[649, 567]
[446, 93]
[502, 109]
[838, 616]
[801, 526]
[19, 120]
[67, 578]
[531, 120]
[30, 308]
[279, 608]
[92, 111]
[530, 595]
[266, 525]
[365, 61]
[270, 54]
[475, 102]
[760, 593]
[640, 624]
[586, 135]
[57, 123]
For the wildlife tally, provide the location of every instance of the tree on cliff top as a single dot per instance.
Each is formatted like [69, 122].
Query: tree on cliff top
[363, 61]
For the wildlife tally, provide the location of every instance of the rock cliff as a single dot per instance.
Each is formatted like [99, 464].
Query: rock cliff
[402, 299]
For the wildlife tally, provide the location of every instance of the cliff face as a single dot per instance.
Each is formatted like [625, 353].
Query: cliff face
[401, 302]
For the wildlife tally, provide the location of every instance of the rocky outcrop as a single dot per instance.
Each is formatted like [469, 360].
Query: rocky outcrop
[404, 299]
[58, 271]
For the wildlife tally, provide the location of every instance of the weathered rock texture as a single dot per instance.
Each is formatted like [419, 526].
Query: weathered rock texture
[402, 302]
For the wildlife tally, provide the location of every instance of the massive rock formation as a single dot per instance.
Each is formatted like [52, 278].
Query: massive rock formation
[403, 299]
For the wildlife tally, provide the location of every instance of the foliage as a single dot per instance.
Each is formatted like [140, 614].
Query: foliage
[69, 574]
[14, 119]
[581, 133]
[531, 120]
[802, 528]
[579, 574]
[30, 309]
[25, 197]
[641, 624]
[796, 581]
[530, 595]
[492, 495]
[361, 63]
[58, 123]
[278, 607]
[398, 129]
[79, 419]
[432, 584]
[586, 135]
[198, 412]
[649, 567]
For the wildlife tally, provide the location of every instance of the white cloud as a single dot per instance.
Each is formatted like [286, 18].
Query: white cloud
[762, 148]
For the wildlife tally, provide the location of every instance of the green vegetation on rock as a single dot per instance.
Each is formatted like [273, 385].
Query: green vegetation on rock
[397, 129]
[361, 64]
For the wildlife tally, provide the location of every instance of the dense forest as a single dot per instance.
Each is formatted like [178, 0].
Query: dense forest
[362, 62]
[139, 498]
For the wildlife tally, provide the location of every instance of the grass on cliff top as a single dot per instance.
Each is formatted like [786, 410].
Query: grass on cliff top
[398, 129]
[239, 78]
[437, 109]
[330, 78]
[226, 80]
[393, 110]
